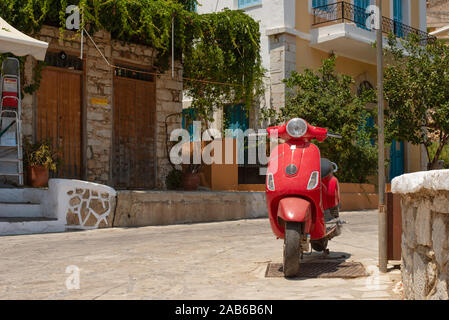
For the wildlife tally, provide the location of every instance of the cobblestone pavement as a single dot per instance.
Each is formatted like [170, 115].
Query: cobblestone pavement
[222, 260]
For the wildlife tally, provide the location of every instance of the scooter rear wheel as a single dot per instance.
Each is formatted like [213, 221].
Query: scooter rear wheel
[292, 248]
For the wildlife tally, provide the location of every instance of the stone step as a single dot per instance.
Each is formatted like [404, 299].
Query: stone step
[27, 225]
[12, 210]
[22, 195]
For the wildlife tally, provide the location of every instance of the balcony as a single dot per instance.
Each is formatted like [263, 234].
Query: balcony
[341, 28]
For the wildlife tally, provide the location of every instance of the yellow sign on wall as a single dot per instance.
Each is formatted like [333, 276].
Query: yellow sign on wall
[102, 102]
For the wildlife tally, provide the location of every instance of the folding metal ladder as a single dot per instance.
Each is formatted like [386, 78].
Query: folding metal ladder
[11, 159]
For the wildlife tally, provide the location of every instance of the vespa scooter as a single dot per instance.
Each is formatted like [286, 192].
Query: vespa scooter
[302, 194]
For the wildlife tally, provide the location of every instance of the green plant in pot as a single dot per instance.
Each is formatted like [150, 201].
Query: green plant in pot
[39, 159]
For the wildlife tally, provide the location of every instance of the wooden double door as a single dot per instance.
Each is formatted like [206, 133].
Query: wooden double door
[59, 117]
[134, 149]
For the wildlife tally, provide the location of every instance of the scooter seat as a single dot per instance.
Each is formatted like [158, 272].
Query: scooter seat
[326, 167]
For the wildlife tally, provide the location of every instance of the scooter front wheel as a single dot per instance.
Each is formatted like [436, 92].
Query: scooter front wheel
[292, 248]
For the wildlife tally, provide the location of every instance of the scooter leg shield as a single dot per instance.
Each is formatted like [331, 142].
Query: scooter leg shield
[296, 209]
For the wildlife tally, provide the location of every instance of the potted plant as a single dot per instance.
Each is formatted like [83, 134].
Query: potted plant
[191, 178]
[39, 159]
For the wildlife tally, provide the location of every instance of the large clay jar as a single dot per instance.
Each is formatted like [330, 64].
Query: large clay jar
[37, 176]
[191, 181]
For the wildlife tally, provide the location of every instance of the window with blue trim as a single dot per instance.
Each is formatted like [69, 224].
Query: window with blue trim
[248, 3]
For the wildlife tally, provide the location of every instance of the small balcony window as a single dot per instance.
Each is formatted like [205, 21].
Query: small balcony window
[248, 3]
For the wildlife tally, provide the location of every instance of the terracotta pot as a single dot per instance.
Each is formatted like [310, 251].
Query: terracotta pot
[191, 181]
[37, 176]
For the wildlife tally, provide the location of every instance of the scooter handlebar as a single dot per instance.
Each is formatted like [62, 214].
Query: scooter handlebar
[334, 135]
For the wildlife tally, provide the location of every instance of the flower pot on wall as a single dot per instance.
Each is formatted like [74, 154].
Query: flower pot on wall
[191, 181]
[37, 176]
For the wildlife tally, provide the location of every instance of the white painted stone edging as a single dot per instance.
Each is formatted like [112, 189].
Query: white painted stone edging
[63, 191]
[413, 182]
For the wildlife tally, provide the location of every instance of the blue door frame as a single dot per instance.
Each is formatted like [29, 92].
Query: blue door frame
[396, 159]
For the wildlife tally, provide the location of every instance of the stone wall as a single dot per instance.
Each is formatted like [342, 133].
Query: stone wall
[282, 48]
[98, 86]
[425, 225]
[147, 208]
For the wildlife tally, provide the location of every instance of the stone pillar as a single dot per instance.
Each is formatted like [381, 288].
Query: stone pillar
[425, 231]
[98, 115]
[168, 102]
[282, 48]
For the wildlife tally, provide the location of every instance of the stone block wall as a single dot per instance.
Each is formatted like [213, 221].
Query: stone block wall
[282, 63]
[425, 225]
[98, 86]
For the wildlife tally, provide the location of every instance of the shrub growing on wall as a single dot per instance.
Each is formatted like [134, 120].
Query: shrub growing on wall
[326, 99]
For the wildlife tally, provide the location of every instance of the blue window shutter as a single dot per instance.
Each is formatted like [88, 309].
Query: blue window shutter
[319, 3]
[237, 117]
[247, 3]
[362, 3]
[397, 16]
[397, 10]
[359, 14]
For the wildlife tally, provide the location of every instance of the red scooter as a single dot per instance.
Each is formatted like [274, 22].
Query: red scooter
[302, 193]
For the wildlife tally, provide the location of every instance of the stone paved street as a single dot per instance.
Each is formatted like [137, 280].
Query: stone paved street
[222, 260]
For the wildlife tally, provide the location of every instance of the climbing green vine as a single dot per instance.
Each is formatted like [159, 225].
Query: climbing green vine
[227, 50]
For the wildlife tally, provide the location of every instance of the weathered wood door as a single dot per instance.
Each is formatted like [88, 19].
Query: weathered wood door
[59, 117]
[134, 129]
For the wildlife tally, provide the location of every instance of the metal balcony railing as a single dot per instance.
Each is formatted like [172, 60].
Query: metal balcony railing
[343, 11]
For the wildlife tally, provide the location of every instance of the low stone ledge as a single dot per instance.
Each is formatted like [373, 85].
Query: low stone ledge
[147, 208]
[425, 231]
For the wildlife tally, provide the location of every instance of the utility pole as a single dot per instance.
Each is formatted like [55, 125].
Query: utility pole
[383, 259]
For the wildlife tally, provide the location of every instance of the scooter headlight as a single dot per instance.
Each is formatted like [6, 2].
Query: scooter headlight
[296, 127]
[313, 180]
[270, 182]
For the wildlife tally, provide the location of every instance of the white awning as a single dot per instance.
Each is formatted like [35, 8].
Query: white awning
[19, 44]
